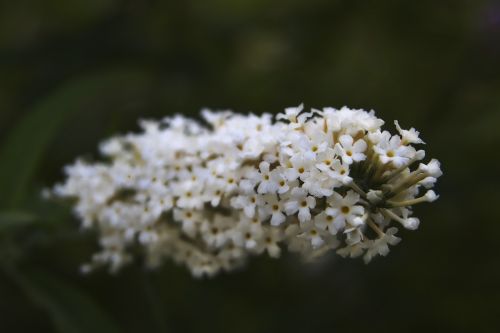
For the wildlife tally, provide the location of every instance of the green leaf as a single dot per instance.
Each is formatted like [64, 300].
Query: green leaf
[27, 143]
[70, 309]
[15, 219]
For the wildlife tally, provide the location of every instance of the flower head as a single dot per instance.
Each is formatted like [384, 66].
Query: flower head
[210, 197]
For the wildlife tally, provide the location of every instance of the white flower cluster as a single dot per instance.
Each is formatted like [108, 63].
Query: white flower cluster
[211, 196]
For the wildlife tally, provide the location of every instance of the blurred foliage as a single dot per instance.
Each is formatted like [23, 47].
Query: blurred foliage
[75, 72]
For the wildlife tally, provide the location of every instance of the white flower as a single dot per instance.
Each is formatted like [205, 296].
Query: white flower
[310, 146]
[294, 116]
[216, 119]
[268, 183]
[215, 191]
[319, 141]
[381, 245]
[340, 172]
[409, 136]
[319, 184]
[274, 207]
[230, 182]
[326, 221]
[411, 223]
[247, 236]
[393, 151]
[272, 237]
[345, 209]
[314, 236]
[291, 113]
[428, 182]
[248, 203]
[190, 195]
[433, 168]
[247, 186]
[353, 236]
[148, 236]
[301, 202]
[189, 219]
[431, 196]
[352, 151]
[300, 167]
[215, 232]
[278, 177]
[324, 160]
[111, 147]
[352, 251]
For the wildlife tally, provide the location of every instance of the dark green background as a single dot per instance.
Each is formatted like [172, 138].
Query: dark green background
[75, 72]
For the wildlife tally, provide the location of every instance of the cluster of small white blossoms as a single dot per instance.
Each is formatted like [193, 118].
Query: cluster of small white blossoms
[211, 196]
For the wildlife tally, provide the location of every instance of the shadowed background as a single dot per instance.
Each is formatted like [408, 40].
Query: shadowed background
[75, 72]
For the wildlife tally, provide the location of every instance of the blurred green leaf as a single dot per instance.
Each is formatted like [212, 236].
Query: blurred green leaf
[15, 219]
[70, 309]
[27, 143]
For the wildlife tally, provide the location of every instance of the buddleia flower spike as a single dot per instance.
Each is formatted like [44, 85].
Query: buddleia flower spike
[209, 197]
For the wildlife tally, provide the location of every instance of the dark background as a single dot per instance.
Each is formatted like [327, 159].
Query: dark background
[75, 72]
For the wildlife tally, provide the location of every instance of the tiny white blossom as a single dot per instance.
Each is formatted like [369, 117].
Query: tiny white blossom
[319, 184]
[268, 182]
[189, 219]
[325, 159]
[345, 209]
[326, 221]
[408, 136]
[248, 203]
[215, 232]
[433, 168]
[340, 172]
[274, 208]
[393, 151]
[300, 202]
[352, 151]
[271, 240]
[411, 223]
[431, 196]
[314, 236]
[300, 167]
[247, 236]
[380, 245]
[291, 113]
